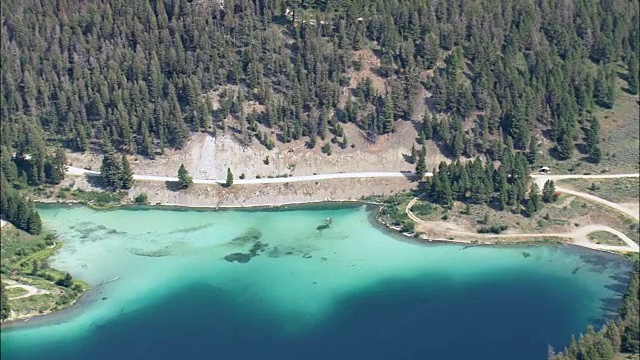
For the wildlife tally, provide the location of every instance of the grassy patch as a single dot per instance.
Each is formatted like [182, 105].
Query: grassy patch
[23, 259]
[94, 199]
[605, 237]
[619, 136]
[620, 132]
[392, 211]
[622, 190]
[14, 292]
[18, 248]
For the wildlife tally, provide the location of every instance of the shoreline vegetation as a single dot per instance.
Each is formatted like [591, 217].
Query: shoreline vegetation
[24, 267]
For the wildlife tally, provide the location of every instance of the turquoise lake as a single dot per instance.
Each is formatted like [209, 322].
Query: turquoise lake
[270, 285]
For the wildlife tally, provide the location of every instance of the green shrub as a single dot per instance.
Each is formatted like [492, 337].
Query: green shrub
[141, 199]
[494, 229]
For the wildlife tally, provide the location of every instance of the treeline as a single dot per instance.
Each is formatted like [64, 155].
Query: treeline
[139, 72]
[506, 186]
[32, 164]
[622, 336]
[17, 209]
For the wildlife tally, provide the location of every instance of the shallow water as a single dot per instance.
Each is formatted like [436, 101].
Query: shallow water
[350, 291]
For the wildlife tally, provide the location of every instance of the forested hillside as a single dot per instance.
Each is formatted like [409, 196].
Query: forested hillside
[138, 74]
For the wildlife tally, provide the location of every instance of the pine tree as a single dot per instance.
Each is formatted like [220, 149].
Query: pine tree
[532, 154]
[184, 180]
[593, 134]
[549, 191]
[388, 116]
[56, 167]
[229, 181]
[414, 154]
[66, 281]
[593, 139]
[427, 126]
[604, 90]
[595, 155]
[534, 197]
[111, 171]
[34, 223]
[127, 173]
[458, 144]
[565, 146]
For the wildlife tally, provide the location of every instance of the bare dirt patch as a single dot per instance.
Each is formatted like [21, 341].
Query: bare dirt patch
[199, 195]
[208, 157]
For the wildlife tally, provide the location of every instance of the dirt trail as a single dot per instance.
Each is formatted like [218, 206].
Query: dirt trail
[579, 236]
[31, 291]
[541, 179]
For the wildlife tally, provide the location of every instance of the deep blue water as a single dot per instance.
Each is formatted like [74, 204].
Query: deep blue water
[511, 317]
[347, 292]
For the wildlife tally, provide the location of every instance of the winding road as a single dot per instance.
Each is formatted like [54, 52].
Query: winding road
[579, 235]
[541, 179]
[31, 291]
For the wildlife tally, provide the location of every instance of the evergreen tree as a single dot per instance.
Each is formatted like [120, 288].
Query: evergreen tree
[532, 154]
[565, 146]
[111, 171]
[66, 281]
[593, 139]
[229, 181]
[414, 154]
[595, 155]
[184, 179]
[56, 167]
[427, 126]
[534, 197]
[549, 191]
[127, 173]
[604, 91]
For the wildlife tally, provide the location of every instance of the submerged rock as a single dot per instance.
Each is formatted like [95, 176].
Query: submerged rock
[250, 236]
[327, 223]
[258, 247]
[239, 257]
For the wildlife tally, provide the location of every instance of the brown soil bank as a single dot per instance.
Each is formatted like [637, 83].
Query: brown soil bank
[252, 195]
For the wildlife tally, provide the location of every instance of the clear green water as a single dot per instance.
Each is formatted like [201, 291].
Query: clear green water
[349, 291]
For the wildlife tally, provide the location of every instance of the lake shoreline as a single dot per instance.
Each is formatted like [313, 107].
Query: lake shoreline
[373, 217]
[305, 277]
[323, 205]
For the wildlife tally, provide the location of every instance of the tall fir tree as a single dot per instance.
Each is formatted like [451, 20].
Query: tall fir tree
[127, 173]
[184, 179]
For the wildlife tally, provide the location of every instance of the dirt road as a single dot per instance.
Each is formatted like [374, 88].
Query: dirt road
[579, 236]
[31, 291]
[541, 179]
[77, 171]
